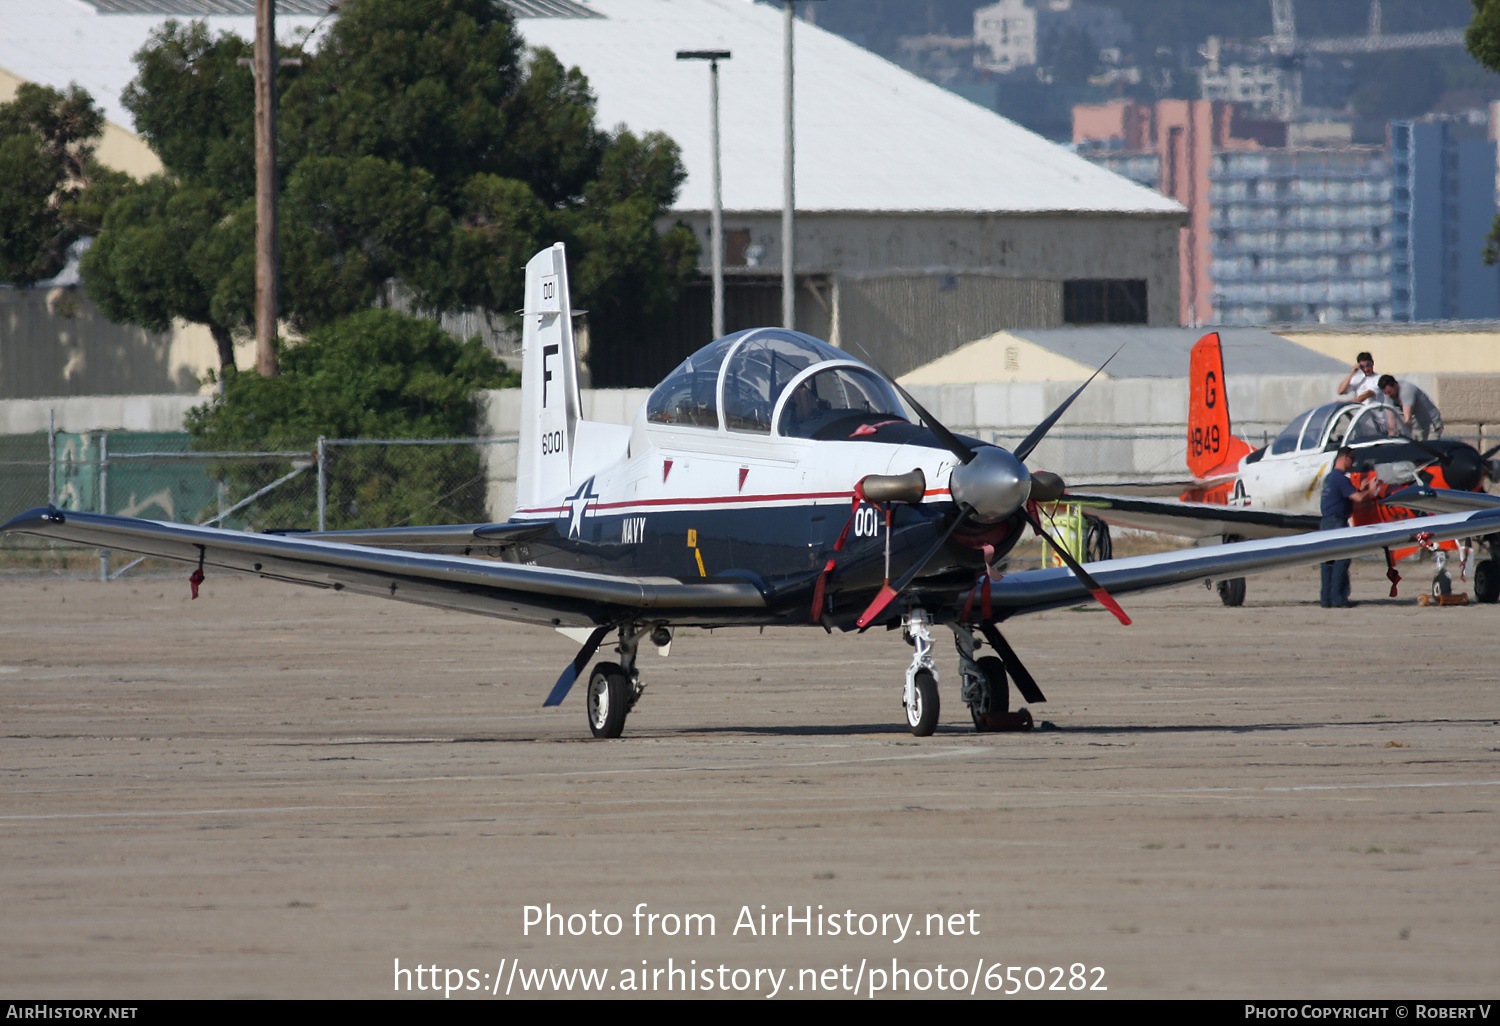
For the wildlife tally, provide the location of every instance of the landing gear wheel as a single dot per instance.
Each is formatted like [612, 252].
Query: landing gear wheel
[1442, 584]
[999, 696]
[922, 712]
[1487, 581]
[1232, 593]
[608, 700]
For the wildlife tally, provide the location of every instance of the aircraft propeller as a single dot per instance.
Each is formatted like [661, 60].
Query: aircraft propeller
[990, 484]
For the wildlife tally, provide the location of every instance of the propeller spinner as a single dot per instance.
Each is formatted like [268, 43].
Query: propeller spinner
[994, 484]
[989, 484]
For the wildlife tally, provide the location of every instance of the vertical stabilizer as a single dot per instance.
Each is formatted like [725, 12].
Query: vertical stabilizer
[1211, 449]
[550, 402]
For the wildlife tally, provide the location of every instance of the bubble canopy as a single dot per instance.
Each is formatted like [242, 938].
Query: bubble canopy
[750, 380]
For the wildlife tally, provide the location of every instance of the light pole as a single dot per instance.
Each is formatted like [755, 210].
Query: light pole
[789, 206]
[717, 223]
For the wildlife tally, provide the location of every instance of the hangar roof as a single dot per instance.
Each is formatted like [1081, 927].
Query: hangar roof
[56, 42]
[1071, 354]
[871, 137]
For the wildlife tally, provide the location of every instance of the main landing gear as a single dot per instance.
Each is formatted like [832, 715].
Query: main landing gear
[615, 688]
[984, 685]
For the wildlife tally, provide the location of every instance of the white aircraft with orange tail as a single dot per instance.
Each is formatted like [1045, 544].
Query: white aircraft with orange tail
[1239, 492]
[770, 480]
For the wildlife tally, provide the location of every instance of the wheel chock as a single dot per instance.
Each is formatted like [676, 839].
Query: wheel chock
[1015, 721]
[1442, 600]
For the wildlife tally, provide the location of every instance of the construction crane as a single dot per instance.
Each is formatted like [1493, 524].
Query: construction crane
[1288, 51]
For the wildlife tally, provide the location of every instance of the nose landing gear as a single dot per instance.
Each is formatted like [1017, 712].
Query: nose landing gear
[920, 696]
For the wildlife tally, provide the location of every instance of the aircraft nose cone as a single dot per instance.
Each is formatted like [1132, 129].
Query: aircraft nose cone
[994, 482]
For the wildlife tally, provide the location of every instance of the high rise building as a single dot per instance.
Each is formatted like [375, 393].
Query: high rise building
[1275, 232]
[1443, 203]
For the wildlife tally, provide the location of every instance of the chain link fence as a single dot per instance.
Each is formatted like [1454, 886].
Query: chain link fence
[331, 484]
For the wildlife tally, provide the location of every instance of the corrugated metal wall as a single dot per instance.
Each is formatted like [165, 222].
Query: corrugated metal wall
[73, 349]
[908, 319]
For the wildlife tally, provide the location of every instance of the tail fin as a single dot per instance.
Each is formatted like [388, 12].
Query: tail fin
[550, 402]
[1211, 449]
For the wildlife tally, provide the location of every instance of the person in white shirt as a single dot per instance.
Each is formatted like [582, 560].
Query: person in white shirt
[1362, 383]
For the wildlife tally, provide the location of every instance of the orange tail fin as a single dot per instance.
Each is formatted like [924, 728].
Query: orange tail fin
[1211, 448]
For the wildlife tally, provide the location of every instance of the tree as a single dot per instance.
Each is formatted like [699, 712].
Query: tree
[421, 145]
[374, 374]
[52, 190]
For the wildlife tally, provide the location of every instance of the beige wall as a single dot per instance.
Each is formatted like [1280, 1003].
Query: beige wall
[1001, 357]
[1402, 352]
[120, 148]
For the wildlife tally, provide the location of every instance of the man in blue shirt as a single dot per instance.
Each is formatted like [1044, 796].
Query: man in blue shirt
[1339, 495]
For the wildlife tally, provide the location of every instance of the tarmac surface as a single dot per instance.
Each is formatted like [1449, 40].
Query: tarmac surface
[280, 792]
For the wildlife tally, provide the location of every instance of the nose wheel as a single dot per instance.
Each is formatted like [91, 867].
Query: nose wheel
[922, 704]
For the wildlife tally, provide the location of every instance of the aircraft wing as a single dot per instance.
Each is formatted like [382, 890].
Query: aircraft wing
[512, 591]
[1033, 591]
[1193, 519]
[1440, 500]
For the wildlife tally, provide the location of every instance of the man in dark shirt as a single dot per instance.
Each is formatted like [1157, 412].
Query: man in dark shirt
[1339, 495]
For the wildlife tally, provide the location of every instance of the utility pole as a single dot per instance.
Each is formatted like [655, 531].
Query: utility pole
[716, 231]
[265, 187]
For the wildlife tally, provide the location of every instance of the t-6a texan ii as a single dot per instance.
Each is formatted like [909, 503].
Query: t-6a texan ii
[770, 480]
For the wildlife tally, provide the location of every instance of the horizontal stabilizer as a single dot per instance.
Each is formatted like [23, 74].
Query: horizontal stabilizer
[459, 539]
[1193, 519]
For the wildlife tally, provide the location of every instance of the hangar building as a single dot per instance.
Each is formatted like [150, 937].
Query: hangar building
[924, 221]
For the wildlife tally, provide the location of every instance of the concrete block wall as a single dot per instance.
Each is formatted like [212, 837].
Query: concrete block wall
[81, 413]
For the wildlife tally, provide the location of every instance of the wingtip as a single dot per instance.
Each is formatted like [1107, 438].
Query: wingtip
[34, 519]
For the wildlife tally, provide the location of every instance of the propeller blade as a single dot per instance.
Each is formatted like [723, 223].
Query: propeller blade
[948, 438]
[1439, 456]
[570, 673]
[1083, 575]
[1040, 431]
[890, 591]
[1025, 682]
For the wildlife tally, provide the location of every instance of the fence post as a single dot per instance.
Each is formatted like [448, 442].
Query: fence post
[322, 484]
[51, 457]
[104, 500]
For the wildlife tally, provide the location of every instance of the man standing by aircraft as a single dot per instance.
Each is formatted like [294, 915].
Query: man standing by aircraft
[1360, 383]
[1339, 495]
[1419, 414]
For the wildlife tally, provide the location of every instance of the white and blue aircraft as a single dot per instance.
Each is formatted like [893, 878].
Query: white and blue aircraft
[770, 480]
